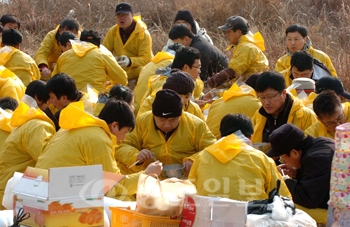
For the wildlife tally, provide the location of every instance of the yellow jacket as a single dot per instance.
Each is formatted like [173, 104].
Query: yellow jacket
[191, 108]
[138, 47]
[318, 129]
[10, 84]
[283, 62]
[32, 129]
[5, 126]
[299, 115]
[87, 141]
[19, 63]
[237, 170]
[238, 99]
[88, 64]
[191, 136]
[49, 51]
[248, 57]
[160, 60]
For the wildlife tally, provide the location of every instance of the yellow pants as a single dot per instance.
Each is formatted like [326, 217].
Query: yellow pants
[318, 214]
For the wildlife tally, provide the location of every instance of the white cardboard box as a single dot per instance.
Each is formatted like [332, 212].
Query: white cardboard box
[203, 211]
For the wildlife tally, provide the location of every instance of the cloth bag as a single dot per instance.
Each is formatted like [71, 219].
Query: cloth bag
[162, 198]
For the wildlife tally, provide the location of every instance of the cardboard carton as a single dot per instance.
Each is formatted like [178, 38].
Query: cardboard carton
[203, 211]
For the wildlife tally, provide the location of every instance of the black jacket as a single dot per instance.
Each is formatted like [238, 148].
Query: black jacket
[310, 189]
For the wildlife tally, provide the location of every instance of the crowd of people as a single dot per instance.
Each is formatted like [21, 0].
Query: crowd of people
[69, 105]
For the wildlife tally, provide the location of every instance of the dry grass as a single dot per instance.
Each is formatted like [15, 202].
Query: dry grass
[326, 20]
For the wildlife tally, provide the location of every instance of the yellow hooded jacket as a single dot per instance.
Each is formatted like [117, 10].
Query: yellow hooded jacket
[5, 126]
[191, 108]
[84, 140]
[19, 63]
[160, 60]
[88, 64]
[230, 168]
[191, 136]
[138, 47]
[32, 129]
[238, 99]
[299, 115]
[283, 62]
[248, 57]
[318, 129]
[10, 84]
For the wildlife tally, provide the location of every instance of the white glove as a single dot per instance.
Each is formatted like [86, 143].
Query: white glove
[123, 61]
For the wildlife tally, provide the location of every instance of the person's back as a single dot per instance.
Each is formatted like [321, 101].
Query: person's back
[10, 84]
[15, 60]
[87, 64]
[7, 106]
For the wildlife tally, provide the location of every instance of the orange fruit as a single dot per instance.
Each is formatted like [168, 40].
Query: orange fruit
[83, 218]
[90, 219]
[94, 211]
[55, 206]
[67, 206]
[39, 218]
[98, 217]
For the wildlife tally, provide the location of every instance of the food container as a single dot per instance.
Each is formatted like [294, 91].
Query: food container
[173, 170]
[263, 146]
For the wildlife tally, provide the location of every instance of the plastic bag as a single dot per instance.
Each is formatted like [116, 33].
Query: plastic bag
[162, 198]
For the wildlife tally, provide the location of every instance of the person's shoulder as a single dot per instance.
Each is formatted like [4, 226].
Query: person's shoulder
[316, 53]
[192, 118]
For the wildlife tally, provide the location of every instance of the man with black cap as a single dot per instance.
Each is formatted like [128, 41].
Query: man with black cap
[247, 57]
[307, 164]
[129, 41]
[166, 134]
[331, 83]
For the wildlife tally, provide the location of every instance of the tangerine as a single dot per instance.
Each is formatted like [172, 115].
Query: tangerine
[90, 219]
[98, 217]
[83, 218]
[55, 206]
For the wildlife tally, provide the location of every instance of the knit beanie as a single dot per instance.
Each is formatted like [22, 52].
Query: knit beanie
[179, 81]
[187, 16]
[167, 104]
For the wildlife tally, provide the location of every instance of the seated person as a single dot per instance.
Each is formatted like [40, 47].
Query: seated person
[332, 83]
[166, 133]
[8, 105]
[37, 90]
[296, 40]
[64, 41]
[8, 21]
[278, 107]
[307, 161]
[87, 140]
[330, 113]
[237, 170]
[15, 60]
[303, 65]
[10, 84]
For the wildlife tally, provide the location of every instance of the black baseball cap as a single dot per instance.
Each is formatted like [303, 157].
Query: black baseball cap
[123, 8]
[331, 83]
[234, 22]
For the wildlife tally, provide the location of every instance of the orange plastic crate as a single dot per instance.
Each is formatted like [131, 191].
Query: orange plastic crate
[130, 218]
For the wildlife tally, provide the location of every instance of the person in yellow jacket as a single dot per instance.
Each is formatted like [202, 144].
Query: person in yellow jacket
[87, 64]
[330, 113]
[166, 134]
[88, 140]
[10, 84]
[32, 131]
[49, 50]
[278, 107]
[7, 106]
[297, 39]
[182, 83]
[240, 98]
[129, 41]
[15, 60]
[232, 169]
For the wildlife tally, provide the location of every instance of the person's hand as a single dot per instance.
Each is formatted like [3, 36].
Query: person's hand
[154, 168]
[144, 155]
[45, 73]
[221, 77]
[123, 61]
[187, 166]
[287, 170]
[200, 103]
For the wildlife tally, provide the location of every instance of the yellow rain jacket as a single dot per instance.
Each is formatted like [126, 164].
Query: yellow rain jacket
[32, 129]
[49, 51]
[160, 60]
[191, 136]
[10, 84]
[283, 62]
[87, 141]
[87, 64]
[318, 129]
[299, 115]
[5, 126]
[232, 169]
[248, 57]
[191, 108]
[238, 99]
[19, 63]
[138, 47]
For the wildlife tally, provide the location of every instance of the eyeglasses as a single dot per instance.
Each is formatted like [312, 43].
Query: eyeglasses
[268, 98]
[197, 67]
[336, 121]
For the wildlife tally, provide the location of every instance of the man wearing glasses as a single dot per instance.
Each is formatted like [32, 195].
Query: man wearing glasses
[330, 113]
[306, 168]
[278, 107]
